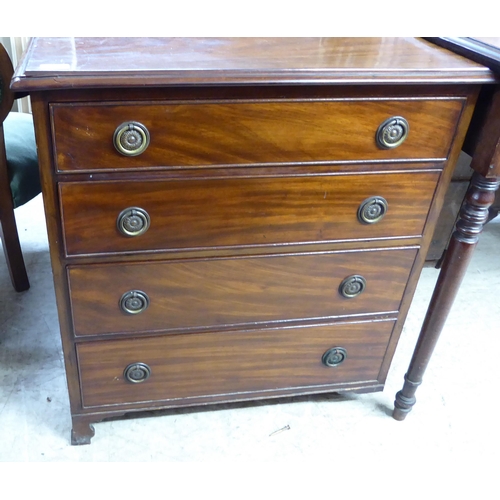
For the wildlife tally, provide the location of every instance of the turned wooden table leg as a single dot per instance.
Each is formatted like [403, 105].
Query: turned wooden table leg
[473, 216]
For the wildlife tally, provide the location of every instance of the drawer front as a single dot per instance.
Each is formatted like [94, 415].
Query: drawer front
[237, 212]
[194, 134]
[223, 364]
[235, 291]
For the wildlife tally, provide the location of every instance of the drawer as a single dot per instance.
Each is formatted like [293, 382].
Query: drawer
[182, 295]
[231, 364]
[230, 212]
[193, 134]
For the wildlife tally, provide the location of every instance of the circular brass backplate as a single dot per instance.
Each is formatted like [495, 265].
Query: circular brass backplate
[133, 221]
[134, 302]
[352, 286]
[372, 210]
[334, 356]
[392, 132]
[137, 372]
[131, 138]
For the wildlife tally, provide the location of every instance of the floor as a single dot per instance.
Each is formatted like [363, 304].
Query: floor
[454, 416]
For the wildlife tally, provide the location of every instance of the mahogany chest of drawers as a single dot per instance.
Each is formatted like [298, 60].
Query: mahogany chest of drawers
[237, 219]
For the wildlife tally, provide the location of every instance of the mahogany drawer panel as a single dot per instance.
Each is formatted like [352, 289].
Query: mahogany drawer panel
[218, 364]
[238, 212]
[193, 134]
[235, 291]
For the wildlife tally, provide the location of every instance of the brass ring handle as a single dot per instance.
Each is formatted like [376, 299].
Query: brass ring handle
[131, 138]
[352, 286]
[372, 210]
[133, 221]
[134, 302]
[334, 356]
[137, 373]
[392, 132]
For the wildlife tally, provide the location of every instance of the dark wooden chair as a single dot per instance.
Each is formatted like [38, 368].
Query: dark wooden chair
[19, 176]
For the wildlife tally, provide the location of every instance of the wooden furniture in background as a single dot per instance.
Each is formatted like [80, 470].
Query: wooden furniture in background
[453, 200]
[481, 140]
[483, 145]
[19, 177]
[238, 219]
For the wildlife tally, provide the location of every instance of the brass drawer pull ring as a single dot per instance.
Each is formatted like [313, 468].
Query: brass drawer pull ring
[372, 210]
[131, 138]
[133, 221]
[134, 302]
[137, 372]
[352, 286]
[392, 132]
[334, 356]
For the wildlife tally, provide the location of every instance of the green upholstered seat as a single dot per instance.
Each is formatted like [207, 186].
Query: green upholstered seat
[22, 160]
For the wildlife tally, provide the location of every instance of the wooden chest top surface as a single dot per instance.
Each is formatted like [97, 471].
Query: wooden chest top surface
[55, 63]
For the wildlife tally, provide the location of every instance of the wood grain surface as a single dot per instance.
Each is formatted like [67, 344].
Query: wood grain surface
[237, 212]
[242, 133]
[58, 63]
[229, 291]
[220, 364]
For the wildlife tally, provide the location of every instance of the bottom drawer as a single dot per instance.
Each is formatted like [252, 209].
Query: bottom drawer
[217, 365]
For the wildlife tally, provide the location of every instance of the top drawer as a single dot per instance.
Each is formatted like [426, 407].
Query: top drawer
[193, 134]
